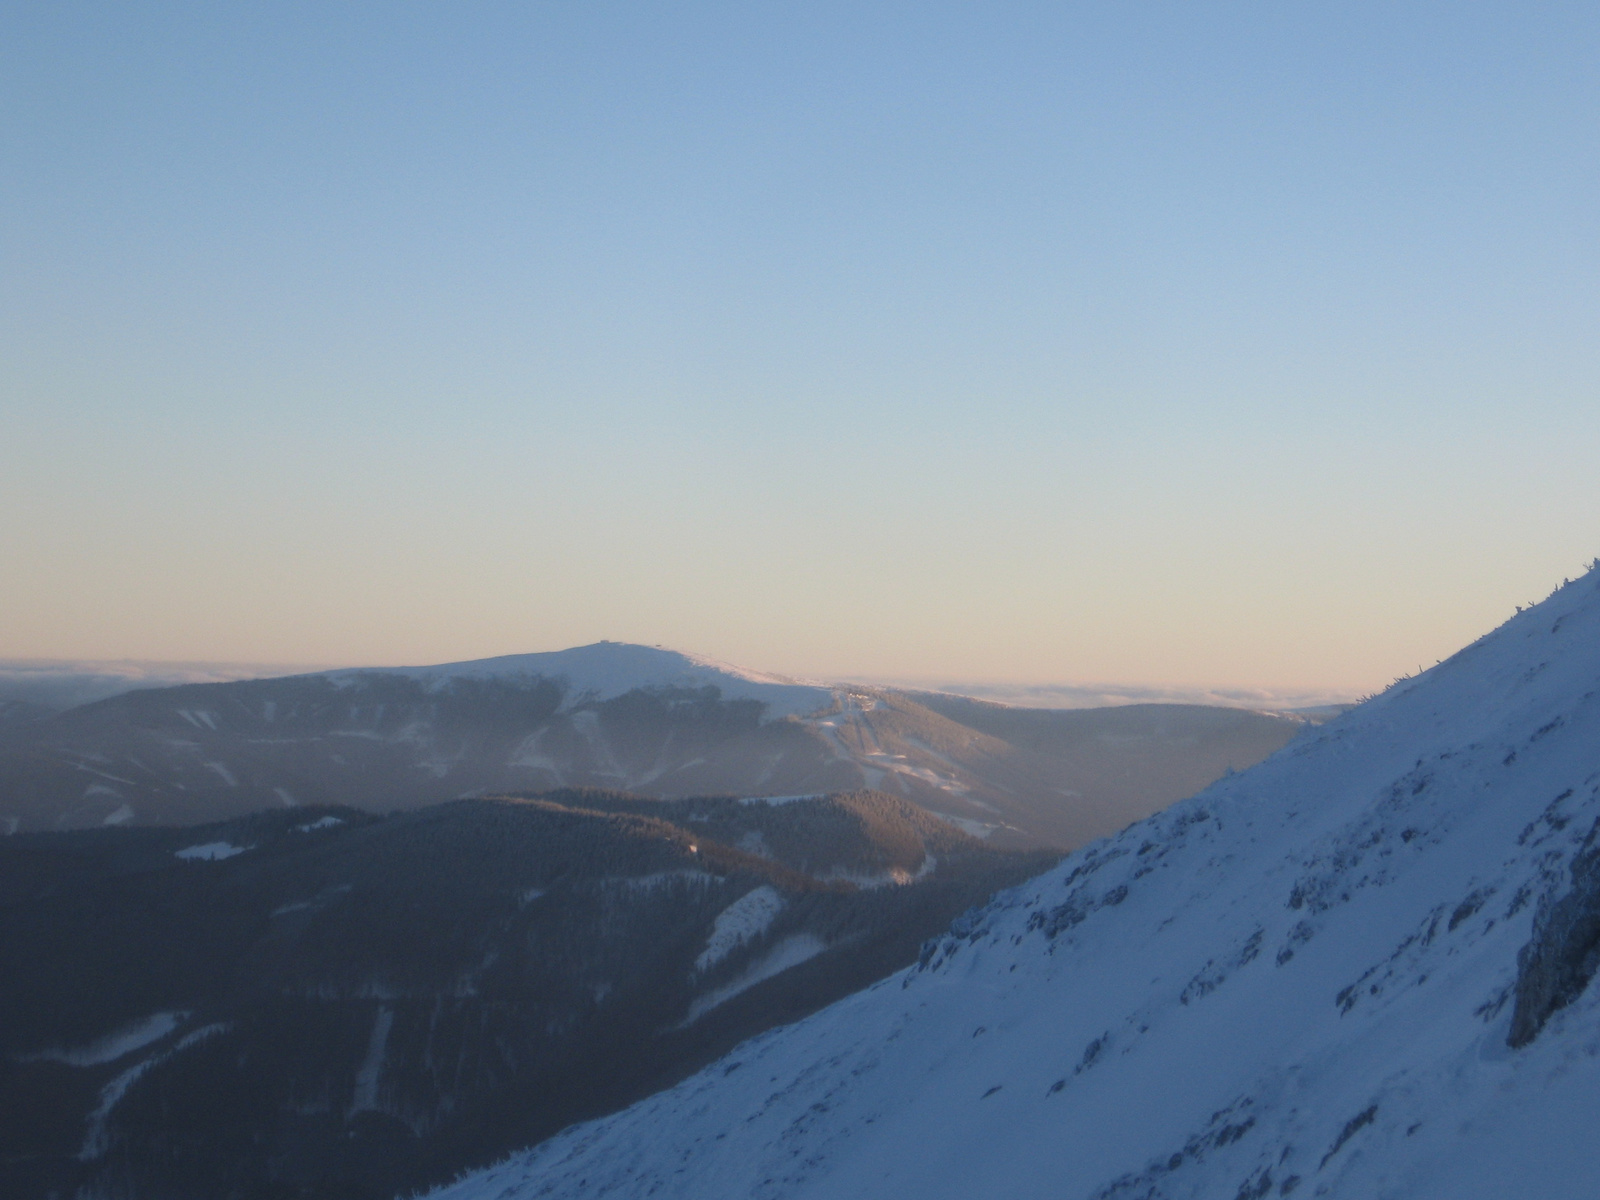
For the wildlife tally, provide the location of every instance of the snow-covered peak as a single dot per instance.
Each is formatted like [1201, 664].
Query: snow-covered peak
[1301, 982]
[608, 669]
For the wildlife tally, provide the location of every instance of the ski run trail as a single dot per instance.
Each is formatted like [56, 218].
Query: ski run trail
[1302, 981]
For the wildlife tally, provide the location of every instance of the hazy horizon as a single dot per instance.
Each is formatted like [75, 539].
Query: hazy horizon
[62, 681]
[1237, 348]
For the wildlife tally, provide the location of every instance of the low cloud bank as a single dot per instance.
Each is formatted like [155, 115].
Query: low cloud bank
[1104, 695]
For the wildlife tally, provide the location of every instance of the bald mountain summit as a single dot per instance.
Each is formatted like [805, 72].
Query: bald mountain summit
[642, 719]
[1360, 969]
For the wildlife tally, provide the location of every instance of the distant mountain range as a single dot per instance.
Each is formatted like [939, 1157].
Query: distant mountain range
[637, 718]
[324, 1004]
[41, 686]
[1363, 968]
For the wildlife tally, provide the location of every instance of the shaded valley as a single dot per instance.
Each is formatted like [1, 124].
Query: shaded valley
[322, 1002]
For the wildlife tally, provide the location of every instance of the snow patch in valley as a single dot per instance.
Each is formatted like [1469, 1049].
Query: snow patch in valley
[122, 816]
[113, 1046]
[320, 823]
[967, 826]
[777, 800]
[746, 919]
[83, 766]
[788, 952]
[893, 877]
[655, 881]
[210, 851]
[95, 1142]
[323, 897]
[900, 764]
[225, 774]
[371, 1072]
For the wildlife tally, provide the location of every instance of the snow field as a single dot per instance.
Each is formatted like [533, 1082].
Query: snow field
[210, 851]
[745, 919]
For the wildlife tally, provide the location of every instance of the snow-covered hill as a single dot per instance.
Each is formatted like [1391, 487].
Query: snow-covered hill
[613, 716]
[1357, 970]
[605, 670]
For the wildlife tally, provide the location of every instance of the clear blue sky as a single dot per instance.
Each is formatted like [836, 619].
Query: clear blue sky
[1224, 343]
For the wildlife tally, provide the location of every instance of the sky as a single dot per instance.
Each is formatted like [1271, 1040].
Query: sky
[1224, 345]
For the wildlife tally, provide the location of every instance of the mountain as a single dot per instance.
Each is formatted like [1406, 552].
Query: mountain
[1360, 969]
[637, 718]
[45, 686]
[326, 1003]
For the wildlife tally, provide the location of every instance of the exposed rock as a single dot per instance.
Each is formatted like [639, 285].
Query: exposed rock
[1560, 959]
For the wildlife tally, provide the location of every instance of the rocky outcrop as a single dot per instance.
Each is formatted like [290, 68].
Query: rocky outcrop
[1560, 959]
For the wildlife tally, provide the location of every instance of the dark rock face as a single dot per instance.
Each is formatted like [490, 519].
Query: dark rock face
[321, 1002]
[1560, 959]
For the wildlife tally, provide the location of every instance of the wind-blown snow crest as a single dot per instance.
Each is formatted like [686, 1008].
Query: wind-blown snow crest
[1299, 982]
[609, 669]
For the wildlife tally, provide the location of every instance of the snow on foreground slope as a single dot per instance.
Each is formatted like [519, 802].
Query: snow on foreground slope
[1301, 981]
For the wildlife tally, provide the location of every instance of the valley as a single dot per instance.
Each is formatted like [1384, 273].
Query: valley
[327, 1003]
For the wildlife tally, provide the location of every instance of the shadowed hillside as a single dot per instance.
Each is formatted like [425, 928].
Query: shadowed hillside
[327, 1003]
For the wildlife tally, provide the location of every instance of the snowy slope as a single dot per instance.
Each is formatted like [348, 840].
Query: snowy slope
[1299, 982]
[608, 669]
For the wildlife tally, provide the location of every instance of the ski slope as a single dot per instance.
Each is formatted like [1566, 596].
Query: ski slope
[1300, 982]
